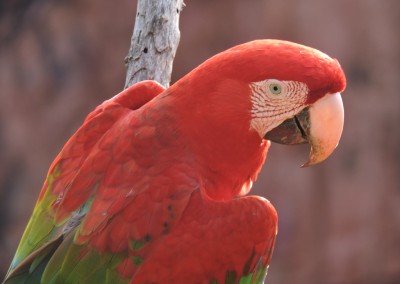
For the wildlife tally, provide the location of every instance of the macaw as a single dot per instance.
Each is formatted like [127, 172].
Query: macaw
[153, 187]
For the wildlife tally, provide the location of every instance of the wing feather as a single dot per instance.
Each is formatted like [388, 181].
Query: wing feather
[69, 185]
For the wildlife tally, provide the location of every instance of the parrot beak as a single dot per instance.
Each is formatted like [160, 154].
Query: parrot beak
[319, 124]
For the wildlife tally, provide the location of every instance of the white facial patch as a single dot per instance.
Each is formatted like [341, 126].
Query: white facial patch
[274, 101]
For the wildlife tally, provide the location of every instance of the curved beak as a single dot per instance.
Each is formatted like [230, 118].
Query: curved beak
[319, 124]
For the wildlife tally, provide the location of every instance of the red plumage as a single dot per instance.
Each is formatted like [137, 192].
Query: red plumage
[154, 175]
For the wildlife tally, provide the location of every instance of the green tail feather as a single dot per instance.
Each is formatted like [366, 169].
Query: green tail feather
[31, 269]
[62, 261]
[257, 276]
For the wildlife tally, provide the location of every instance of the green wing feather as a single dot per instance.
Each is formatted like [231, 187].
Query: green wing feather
[47, 252]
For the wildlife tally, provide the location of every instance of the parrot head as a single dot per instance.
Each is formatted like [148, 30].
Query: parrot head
[294, 93]
[301, 102]
[257, 92]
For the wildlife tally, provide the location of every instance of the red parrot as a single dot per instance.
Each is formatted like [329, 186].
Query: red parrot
[152, 188]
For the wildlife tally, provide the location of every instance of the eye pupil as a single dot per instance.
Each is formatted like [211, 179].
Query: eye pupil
[275, 89]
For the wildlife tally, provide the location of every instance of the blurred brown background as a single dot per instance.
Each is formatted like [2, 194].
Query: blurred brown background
[339, 222]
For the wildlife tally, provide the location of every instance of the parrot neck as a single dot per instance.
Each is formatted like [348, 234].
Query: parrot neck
[225, 152]
[232, 168]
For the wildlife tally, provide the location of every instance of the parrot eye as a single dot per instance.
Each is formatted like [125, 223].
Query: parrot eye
[275, 88]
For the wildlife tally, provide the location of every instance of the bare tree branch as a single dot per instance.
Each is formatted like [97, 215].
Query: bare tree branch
[154, 41]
